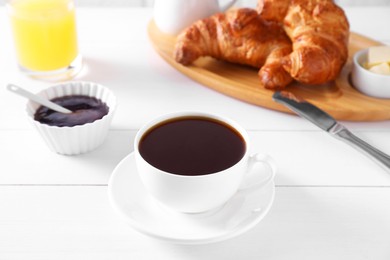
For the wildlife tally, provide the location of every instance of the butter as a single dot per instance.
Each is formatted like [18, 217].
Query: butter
[382, 68]
[378, 60]
[378, 54]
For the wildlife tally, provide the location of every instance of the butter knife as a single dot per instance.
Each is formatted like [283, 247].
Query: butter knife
[330, 125]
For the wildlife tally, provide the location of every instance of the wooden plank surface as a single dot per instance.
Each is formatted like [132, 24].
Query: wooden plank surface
[304, 223]
[339, 98]
[309, 158]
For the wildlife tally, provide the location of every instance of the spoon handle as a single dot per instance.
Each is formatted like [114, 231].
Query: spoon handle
[40, 100]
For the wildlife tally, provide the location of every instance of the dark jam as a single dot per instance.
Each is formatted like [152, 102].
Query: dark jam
[84, 109]
[192, 146]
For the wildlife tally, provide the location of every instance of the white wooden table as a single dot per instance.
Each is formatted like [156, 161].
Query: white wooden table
[331, 201]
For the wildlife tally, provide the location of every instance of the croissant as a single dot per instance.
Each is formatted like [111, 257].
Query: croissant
[273, 10]
[319, 31]
[238, 36]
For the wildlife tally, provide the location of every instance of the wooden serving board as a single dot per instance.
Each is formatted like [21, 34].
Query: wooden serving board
[339, 98]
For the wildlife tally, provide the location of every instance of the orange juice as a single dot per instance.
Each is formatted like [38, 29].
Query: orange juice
[45, 33]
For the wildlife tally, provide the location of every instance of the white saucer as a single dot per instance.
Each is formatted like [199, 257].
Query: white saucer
[128, 197]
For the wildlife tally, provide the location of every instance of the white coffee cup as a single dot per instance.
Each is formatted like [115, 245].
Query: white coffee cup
[172, 16]
[201, 193]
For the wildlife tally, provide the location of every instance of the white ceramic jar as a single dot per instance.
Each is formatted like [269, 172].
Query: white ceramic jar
[172, 16]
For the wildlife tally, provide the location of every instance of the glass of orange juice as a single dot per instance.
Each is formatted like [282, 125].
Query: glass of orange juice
[45, 38]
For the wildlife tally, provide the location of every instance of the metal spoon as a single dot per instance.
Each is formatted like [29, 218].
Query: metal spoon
[38, 99]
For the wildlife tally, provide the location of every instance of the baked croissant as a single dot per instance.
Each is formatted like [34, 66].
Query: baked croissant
[319, 31]
[238, 36]
[273, 10]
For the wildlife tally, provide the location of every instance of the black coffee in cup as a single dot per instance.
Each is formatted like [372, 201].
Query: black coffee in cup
[192, 146]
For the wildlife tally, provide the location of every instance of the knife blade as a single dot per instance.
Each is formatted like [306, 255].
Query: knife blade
[305, 109]
[327, 123]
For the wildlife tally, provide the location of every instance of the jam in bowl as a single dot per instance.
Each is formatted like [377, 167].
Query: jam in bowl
[84, 129]
[84, 109]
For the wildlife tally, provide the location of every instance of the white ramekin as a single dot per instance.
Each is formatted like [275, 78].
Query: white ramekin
[367, 82]
[76, 139]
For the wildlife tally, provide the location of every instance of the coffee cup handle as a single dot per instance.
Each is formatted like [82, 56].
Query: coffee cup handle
[227, 6]
[263, 159]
